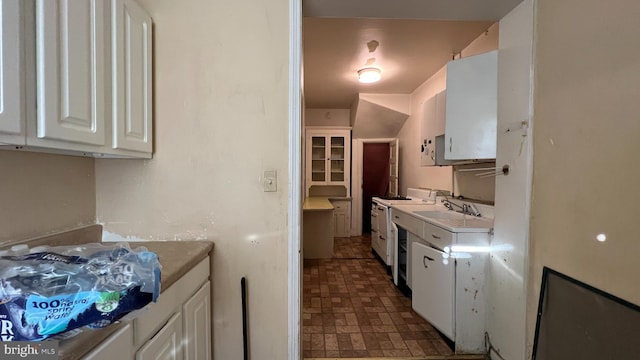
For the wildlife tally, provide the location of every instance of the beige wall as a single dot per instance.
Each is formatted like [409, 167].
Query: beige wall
[436, 177]
[586, 129]
[327, 117]
[43, 193]
[221, 119]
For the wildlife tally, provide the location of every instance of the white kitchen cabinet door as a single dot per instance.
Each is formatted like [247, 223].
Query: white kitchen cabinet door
[432, 126]
[433, 287]
[132, 77]
[341, 218]
[471, 107]
[12, 118]
[119, 345]
[383, 235]
[197, 325]
[427, 148]
[166, 344]
[70, 56]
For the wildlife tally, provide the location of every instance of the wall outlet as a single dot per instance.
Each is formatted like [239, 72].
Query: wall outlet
[270, 181]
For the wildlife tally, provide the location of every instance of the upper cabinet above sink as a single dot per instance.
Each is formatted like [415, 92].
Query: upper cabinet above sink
[471, 107]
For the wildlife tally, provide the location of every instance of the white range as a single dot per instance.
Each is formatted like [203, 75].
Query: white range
[382, 230]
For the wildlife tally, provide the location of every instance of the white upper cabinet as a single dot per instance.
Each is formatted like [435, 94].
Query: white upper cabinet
[432, 126]
[12, 91]
[328, 158]
[471, 107]
[131, 54]
[76, 77]
[70, 53]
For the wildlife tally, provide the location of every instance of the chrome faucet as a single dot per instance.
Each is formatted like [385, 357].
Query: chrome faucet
[468, 209]
[449, 205]
[471, 210]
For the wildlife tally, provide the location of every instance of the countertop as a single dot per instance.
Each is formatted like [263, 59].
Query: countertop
[176, 258]
[317, 203]
[320, 203]
[463, 224]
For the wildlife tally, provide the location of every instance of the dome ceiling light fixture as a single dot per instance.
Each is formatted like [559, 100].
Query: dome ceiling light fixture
[370, 73]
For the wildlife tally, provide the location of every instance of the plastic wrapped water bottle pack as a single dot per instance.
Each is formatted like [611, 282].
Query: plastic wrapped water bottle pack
[50, 291]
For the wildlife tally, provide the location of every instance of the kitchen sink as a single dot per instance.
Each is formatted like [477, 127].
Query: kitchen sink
[434, 214]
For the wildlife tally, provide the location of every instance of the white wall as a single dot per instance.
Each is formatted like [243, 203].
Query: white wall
[508, 262]
[221, 119]
[586, 129]
[411, 173]
[43, 193]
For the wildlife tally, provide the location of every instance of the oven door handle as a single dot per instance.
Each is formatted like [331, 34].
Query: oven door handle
[424, 260]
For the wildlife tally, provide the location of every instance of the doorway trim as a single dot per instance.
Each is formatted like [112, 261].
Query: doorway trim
[357, 147]
[294, 257]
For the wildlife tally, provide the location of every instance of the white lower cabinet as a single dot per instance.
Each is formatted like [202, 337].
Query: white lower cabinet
[433, 289]
[166, 344]
[447, 289]
[197, 325]
[176, 327]
[187, 305]
[341, 218]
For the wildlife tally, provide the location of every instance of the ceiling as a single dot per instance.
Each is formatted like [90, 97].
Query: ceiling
[415, 39]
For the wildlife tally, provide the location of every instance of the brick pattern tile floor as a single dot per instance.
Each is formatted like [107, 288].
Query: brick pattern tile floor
[352, 309]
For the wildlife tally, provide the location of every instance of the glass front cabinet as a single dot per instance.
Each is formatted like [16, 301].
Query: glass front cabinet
[328, 160]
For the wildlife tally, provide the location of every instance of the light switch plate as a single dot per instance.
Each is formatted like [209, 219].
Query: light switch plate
[270, 181]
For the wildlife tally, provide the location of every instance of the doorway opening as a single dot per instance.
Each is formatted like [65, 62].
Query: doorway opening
[375, 178]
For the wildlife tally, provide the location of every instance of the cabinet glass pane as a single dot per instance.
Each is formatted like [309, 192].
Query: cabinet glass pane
[317, 153]
[318, 141]
[337, 170]
[337, 141]
[337, 153]
[337, 148]
[318, 170]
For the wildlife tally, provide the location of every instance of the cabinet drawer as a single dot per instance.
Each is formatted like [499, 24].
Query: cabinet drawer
[117, 346]
[407, 222]
[438, 237]
[171, 299]
[340, 206]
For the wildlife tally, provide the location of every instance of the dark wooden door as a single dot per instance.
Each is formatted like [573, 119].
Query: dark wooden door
[375, 178]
